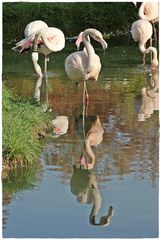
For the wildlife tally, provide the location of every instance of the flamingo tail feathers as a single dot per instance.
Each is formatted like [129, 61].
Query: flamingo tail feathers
[25, 43]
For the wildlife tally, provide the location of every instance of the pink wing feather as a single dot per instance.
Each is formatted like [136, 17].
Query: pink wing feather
[24, 43]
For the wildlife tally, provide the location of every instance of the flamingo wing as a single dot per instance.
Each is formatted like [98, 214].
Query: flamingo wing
[24, 44]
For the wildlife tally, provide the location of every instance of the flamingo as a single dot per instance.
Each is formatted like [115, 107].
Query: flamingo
[142, 31]
[85, 65]
[150, 97]
[84, 186]
[41, 39]
[93, 138]
[150, 11]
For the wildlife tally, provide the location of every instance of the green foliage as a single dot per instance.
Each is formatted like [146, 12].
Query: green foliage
[20, 118]
[71, 18]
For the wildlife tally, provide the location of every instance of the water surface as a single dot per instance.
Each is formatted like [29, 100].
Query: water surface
[44, 202]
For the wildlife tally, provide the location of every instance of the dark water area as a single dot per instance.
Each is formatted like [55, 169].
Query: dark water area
[54, 200]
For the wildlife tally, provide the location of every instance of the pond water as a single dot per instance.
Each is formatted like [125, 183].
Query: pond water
[56, 200]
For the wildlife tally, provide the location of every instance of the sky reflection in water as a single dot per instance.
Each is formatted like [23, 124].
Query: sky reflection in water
[47, 202]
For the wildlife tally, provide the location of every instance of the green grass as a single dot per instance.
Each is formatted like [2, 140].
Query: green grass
[21, 121]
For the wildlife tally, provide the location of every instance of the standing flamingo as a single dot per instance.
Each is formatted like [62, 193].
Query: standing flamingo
[142, 31]
[150, 11]
[85, 65]
[41, 39]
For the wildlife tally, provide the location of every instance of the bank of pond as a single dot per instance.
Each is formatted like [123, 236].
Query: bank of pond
[24, 122]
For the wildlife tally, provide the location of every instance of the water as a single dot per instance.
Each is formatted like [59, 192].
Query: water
[47, 201]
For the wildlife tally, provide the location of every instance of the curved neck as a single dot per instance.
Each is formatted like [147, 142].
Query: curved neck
[35, 57]
[148, 50]
[97, 200]
[91, 154]
[89, 49]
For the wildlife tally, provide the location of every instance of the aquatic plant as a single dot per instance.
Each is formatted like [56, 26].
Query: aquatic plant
[21, 122]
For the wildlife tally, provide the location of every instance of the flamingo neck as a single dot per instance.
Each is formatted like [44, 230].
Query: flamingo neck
[35, 57]
[97, 200]
[90, 51]
[148, 50]
[91, 154]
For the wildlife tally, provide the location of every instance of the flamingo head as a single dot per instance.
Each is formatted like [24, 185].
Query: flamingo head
[154, 64]
[79, 40]
[82, 160]
[97, 36]
[85, 164]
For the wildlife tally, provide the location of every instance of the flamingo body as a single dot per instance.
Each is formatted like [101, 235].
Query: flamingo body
[49, 39]
[141, 31]
[41, 39]
[76, 64]
[85, 65]
[149, 11]
[33, 27]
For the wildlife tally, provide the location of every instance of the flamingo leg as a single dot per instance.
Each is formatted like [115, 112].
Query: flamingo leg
[84, 110]
[151, 43]
[46, 59]
[155, 34]
[144, 56]
[86, 97]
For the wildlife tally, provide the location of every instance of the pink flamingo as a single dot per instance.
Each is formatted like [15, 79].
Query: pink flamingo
[41, 39]
[150, 11]
[142, 31]
[85, 65]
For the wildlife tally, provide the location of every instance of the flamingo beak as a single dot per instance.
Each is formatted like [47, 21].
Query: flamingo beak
[104, 44]
[79, 40]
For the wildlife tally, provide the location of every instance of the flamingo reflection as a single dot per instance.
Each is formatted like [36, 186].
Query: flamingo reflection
[149, 98]
[59, 124]
[84, 186]
[92, 136]
[37, 94]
